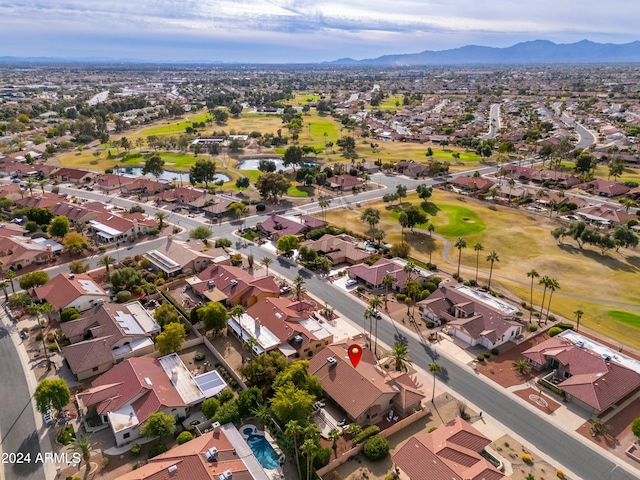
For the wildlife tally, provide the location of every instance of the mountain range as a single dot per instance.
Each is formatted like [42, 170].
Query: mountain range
[536, 51]
[532, 52]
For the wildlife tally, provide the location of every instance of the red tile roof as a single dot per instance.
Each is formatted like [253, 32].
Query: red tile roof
[449, 453]
[62, 290]
[373, 274]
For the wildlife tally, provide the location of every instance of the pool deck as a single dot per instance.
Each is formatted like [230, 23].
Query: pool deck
[274, 445]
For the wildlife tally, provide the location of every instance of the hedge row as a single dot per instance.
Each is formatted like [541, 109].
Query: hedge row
[365, 434]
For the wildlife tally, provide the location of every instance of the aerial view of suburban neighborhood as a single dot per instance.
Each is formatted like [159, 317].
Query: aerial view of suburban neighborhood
[411, 266]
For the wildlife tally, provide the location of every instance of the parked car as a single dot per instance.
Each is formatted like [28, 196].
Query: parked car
[377, 314]
[23, 335]
[351, 282]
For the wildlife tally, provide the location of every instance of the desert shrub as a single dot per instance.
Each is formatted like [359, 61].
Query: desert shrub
[123, 296]
[401, 297]
[184, 437]
[432, 429]
[261, 207]
[135, 466]
[136, 449]
[365, 434]
[495, 351]
[533, 327]
[487, 355]
[105, 462]
[69, 314]
[224, 396]
[560, 474]
[157, 450]
[552, 318]
[199, 356]
[53, 347]
[480, 357]
[322, 458]
[526, 458]
[39, 337]
[565, 326]
[376, 448]
[554, 331]
[223, 243]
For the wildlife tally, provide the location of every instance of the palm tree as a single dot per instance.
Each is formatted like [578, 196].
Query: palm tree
[293, 430]
[372, 217]
[434, 368]
[265, 262]
[379, 236]
[298, 287]
[42, 183]
[492, 257]
[237, 312]
[521, 366]
[553, 286]
[3, 285]
[324, 204]
[30, 183]
[249, 344]
[374, 303]
[578, 313]
[533, 274]
[160, 216]
[544, 281]
[478, 247]
[11, 276]
[460, 244]
[511, 183]
[83, 445]
[387, 281]
[334, 436]
[400, 356]
[430, 228]
[413, 289]
[368, 315]
[38, 309]
[403, 220]
[106, 261]
[262, 413]
[409, 268]
[309, 448]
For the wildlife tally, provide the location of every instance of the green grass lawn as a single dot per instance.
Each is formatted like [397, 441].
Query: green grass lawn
[175, 128]
[300, 191]
[460, 221]
[625, 317]
[390, 102]
[448, 155]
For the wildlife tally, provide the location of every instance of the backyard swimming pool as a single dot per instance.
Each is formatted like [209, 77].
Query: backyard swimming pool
[262, 449]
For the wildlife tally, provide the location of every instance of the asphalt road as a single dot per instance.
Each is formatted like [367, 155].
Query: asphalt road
[17, 423]
[494, 121]
[586, 137]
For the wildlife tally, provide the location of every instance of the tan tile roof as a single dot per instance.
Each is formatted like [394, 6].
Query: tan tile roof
[338, 248]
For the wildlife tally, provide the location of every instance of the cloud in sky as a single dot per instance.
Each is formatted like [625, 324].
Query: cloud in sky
[297, 30]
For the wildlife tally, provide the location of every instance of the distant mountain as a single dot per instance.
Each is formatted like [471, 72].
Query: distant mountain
[537, 51]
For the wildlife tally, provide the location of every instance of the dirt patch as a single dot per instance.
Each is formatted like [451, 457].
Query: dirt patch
[543, 403]
[499, 368]
[468, 220]
[619, 437]
[197, 367]
[512, 451]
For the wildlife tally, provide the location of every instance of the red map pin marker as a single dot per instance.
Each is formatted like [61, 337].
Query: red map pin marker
[355, 353]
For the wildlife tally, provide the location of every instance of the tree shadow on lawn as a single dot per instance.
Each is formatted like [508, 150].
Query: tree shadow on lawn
[430, 208]
[610, 262]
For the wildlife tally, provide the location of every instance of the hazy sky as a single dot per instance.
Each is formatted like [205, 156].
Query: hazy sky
[298, 30]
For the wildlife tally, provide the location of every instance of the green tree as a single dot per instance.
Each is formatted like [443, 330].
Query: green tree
[292, 403]
[249, 399]
[334, 436]
[492, 257]
[214, 316]
[287, 243]
[424, 192]
[52, 393]
[4, 285]
[159, 425]
[298, 287]
[434, 368]
[106, 261]
[171, 338]
[161, 216]
[324, 204]
[200, 233]
[544, 281]
[78, 266]
[75, 243]
[533, 274]
[309, 448]
[478, 247]
[294, 430]
[32, 280]
[83, 445]
[387, 282]
[11, 276]
[403, 220]
[235, 109]
[371, 216]
[153, 165]
[204, 171]
[59, 226]
[125, 279]
[272, 185]
[210, 407]
[265, 262]
[415, 217]
[220, 116]
[399, 354]
[292, 156]
[376, 448]
[460, 244]
[635, 428]
[578, 313]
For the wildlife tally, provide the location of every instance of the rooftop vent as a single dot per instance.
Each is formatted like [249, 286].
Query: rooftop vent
[215, 426]
[580, 344]
[297, 339]
[332, 361]
[234, 282]
[172, 468]
[226, 475]
[211, 454]
[71, 276]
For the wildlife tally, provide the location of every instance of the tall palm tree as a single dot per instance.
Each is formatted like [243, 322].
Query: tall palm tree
[3, 285]
[372, 217]
[544, 281]
[106, 261]
[492, 257]
[237, 311]
[262, 413]
[334, 436]
[11, 276]
[160, 216]
[553, 286]
[298, 287]
[42, 183]
[400, 356]
[460, 244]
[83, 445]
[265, 262]
[324, 204]
[249, 344]
[511, 183]
[309, 449]
[409, 268]
[413, 289]
[39, 309]
[368, 315]
[30, 183]
[578, 313]
[387, 281]
[434, 368]
[478, 247]
[430, 228]
[293, 430]
[532, 274]
[374, 303]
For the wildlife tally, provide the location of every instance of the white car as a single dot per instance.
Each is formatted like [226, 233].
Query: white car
[351, 282]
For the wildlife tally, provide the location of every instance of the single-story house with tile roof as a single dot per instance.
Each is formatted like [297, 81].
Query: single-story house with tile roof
[44, 200]
[275, 226]
[74, 175]
[472, 184]
[112, 182]
[366, 392]
[344, 182]
[605, 188]
[604, 215]
[144, 186]
[67, 290]
[232, 285]
[128, 393]
[221, 454]
[412, 169]
[469, 319]
[590, 374]
[175, 257]
[17, 252]
[340, 249]
[108, 334]
[451, 452]
[372, 275]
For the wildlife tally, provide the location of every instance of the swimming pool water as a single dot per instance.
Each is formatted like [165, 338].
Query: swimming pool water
[263, 451]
